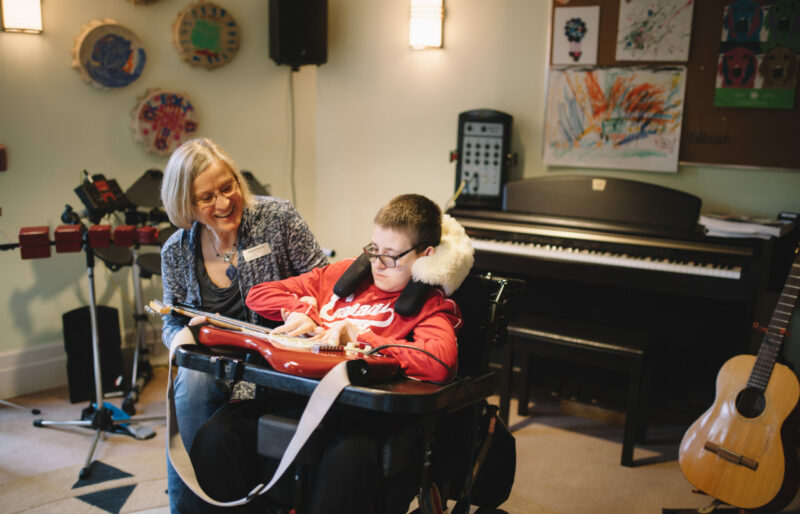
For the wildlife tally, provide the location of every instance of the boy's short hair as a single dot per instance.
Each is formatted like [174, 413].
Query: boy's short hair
[416, 216]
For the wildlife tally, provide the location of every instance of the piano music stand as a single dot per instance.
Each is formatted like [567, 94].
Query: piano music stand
[100, 418]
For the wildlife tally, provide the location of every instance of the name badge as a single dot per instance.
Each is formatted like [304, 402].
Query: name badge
[256, 252]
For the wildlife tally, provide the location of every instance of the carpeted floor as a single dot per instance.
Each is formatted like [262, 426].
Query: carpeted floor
[39, 466]
[565, 464]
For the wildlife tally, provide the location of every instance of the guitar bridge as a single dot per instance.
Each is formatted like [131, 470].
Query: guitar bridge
[731, 456]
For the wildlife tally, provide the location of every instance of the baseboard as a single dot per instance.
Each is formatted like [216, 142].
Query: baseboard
[44, 367]
[30, 370]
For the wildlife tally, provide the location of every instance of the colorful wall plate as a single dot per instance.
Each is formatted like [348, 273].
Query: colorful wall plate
[205, 35]
[163, 120]
[108, 55]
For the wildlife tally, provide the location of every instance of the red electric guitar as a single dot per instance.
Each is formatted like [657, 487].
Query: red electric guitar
[293, 355]
[741, 450]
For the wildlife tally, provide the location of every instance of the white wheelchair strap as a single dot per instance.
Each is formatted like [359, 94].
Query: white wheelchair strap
[319, 403]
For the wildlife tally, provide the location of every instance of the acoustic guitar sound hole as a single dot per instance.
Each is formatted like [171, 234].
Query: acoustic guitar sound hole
[750, 402]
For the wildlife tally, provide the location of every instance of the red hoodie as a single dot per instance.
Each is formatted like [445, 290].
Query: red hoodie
[372, 310]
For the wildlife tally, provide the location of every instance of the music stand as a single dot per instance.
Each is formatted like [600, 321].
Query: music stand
[100, 418]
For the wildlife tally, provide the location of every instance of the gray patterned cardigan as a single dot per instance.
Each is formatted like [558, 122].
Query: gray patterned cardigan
[293, 250]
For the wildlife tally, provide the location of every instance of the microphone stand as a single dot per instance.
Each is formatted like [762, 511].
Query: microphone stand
[100, 415]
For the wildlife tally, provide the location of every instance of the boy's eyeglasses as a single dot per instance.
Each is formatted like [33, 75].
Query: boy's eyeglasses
[227, 190]
[390, 261]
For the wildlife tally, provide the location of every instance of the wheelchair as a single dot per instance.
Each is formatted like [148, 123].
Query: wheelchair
[425, 427]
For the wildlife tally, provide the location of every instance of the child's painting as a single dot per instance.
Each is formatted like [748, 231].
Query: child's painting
[758, 56]
[620, 118]
[575, 35]
[654, 30]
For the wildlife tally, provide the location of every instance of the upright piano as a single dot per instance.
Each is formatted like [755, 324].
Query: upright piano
[623, 253]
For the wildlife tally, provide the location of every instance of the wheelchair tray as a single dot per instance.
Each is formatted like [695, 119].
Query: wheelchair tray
[398, 395]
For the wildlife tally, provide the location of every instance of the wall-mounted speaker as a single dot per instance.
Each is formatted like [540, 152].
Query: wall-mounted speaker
[298, 32]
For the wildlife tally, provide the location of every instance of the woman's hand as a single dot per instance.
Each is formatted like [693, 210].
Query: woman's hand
[340, 333]
[296, 324]
[198, 320]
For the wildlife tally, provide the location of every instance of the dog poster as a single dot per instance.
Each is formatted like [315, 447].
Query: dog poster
[618, 118]
[758, 61]
[654, 30]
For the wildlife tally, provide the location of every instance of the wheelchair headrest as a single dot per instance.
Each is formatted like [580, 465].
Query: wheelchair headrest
[447, 268]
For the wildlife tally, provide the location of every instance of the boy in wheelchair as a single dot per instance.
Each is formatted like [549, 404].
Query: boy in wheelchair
[365, 302]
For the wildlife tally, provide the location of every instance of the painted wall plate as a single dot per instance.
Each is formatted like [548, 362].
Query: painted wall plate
[163, 120]
[205, 35]
[108, 55]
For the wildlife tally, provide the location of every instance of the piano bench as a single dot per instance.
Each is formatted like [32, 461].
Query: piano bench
[602, 346]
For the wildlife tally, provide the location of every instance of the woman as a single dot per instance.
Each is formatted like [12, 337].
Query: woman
[229, 240]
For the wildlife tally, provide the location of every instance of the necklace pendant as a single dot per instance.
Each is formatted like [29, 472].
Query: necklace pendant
[227, 256]
[231, 272]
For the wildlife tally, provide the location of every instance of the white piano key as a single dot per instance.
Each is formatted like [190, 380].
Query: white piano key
[606, 258]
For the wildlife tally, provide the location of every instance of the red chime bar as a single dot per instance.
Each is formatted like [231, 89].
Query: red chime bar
[34, 242]
[69, 238]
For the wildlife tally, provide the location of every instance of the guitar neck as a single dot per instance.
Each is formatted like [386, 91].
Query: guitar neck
[219, 320]
[778, 325]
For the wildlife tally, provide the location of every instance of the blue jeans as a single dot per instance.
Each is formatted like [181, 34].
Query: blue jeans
[198, 395]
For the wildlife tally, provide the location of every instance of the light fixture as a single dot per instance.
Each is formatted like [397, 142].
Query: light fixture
[22, 16]
[425, 27]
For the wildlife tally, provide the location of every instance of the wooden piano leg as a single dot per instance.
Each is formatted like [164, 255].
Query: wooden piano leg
[633, 414]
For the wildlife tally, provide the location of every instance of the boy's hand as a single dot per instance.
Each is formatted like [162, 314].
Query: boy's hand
[339, 333]
[296, 324]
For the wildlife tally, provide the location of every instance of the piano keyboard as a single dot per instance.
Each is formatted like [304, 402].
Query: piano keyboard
[561, 253]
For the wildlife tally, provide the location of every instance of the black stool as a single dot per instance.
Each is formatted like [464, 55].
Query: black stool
[602, 346]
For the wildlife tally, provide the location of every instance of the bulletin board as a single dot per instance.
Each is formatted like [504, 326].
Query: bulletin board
[724, 136]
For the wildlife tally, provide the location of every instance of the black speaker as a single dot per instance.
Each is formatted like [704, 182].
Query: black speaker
[298, 32]
[80, 358]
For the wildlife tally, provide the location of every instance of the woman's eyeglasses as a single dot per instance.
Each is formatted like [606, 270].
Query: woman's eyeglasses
[390, 261]
[227, 190]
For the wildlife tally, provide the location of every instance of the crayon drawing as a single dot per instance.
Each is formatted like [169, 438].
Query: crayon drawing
[654, 30]
[621, 118]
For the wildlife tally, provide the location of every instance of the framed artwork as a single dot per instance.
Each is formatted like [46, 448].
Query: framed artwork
[206, 35]
[620, 118]
[163, 120]
[576, 31]
[108, 55]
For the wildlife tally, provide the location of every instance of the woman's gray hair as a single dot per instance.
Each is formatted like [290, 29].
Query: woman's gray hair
[187, 161]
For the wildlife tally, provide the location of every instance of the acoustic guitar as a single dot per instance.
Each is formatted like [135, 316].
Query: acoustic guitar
[741, 450]
[293, 355]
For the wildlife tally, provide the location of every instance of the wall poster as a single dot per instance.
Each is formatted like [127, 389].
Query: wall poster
[654, 30]
[620, 118]
[758, 55]
[575, 35]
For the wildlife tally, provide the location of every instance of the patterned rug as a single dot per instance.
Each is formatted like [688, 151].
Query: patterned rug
[131, 483]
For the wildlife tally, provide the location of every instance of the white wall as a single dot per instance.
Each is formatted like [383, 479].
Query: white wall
[55, 125]
[377, 120]
[387, 115]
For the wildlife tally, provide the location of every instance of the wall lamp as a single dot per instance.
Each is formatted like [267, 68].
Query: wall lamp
[425, 27]
[22, 16]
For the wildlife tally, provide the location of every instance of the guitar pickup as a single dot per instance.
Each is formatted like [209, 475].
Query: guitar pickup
[731, 456]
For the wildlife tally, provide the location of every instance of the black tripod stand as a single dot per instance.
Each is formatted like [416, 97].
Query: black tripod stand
[100, 416]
